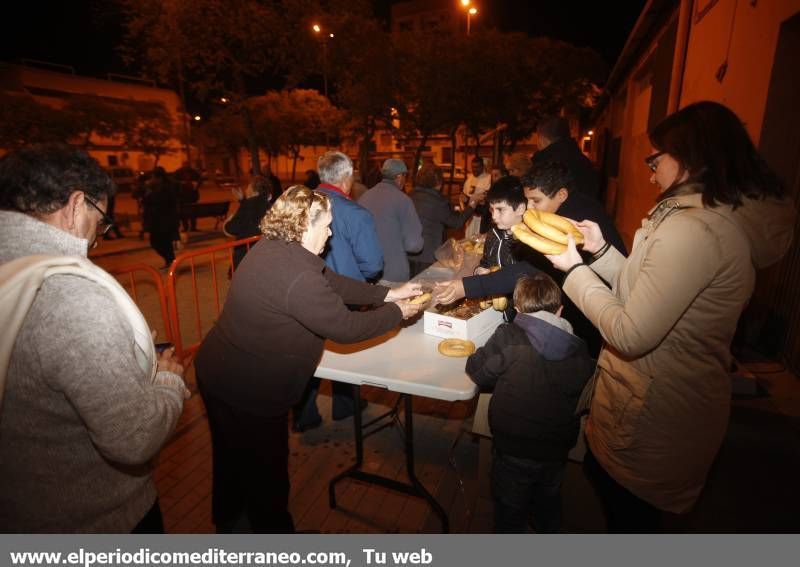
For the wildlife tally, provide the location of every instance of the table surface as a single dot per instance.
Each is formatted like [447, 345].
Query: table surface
[405, 360]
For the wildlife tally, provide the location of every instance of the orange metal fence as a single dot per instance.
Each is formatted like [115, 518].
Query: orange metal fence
[128, 279]
[202, 309]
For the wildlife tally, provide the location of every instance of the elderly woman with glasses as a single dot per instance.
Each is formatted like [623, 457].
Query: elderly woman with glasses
[662, 391]
[254, 364]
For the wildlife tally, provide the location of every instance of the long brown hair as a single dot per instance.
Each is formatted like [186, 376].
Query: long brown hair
[710, 142]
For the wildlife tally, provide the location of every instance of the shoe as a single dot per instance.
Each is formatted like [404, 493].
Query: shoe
[340, 416]
[303, 427]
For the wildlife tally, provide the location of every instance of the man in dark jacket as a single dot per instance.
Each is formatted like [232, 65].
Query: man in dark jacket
[188, 180]
[537, 369]
[161, 215]
[275, 183]
[555, 144]
[435, 213]
[548, 187]
[253, 204]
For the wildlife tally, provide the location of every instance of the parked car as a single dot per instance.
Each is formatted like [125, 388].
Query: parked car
[124, 177]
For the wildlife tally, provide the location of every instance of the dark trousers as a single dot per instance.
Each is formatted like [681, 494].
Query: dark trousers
[189, 223]
[306, 412]
[251, 468]
[161, 242]
[625, 512]
[152, 523]
[523, 487]
[110, 212]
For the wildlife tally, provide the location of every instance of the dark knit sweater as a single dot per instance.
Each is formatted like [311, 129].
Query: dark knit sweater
[283, 303]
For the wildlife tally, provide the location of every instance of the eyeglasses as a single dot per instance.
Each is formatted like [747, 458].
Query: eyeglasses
[651, 162]
[105, 223]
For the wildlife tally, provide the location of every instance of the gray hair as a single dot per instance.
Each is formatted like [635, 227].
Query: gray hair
[334, 167]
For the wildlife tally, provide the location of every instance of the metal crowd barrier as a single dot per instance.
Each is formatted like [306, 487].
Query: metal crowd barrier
[128, 279]
[214, 263]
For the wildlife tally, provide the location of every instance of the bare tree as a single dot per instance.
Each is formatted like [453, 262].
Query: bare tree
[153, 131]
[24, 121]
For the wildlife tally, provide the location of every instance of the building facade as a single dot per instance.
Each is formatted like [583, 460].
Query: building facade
[54, 88]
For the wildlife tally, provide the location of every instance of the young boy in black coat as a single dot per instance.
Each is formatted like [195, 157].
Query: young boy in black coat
[537, 369]
[507, 203]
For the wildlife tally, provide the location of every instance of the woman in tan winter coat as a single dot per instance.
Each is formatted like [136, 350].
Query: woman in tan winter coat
[661, 397]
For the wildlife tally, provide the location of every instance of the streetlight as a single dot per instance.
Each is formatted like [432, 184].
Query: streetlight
[324, 40]
[471, 11]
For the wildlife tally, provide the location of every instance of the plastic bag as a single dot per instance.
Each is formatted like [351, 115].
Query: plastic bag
[450, 254]
[460, 256]
[473, 227]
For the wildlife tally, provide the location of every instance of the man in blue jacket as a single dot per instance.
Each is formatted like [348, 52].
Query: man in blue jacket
[353, 250]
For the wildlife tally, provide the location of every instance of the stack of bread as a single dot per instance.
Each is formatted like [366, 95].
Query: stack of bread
[545, 232]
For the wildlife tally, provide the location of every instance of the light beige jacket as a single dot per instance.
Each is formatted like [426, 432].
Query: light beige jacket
[662, 392]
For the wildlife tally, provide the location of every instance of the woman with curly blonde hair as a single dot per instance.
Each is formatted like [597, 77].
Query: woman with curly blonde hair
[255, 362]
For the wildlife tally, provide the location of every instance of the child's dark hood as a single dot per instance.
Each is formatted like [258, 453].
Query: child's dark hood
[549, 334]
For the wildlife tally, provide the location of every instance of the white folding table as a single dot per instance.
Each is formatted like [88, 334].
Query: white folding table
[407, 361]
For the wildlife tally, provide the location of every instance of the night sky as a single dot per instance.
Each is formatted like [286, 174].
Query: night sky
[84, 33]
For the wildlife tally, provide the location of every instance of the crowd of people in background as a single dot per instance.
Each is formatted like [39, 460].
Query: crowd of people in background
[640, 342]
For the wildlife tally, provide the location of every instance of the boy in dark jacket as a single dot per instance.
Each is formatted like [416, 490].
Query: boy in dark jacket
[507, 204]
[537, 369]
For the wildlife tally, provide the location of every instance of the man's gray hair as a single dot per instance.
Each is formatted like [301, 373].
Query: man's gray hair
[334, 167]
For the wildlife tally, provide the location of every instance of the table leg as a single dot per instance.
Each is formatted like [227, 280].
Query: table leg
[415, 488]
[412, 475]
